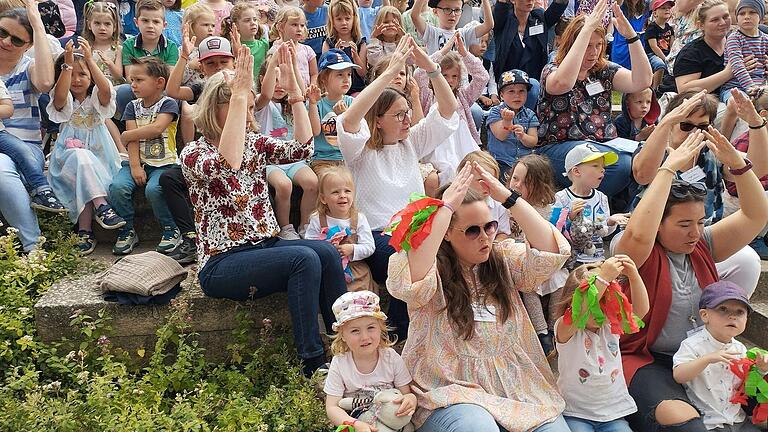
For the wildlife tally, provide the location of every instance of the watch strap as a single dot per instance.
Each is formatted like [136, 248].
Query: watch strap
[742, 170]
[511, 200]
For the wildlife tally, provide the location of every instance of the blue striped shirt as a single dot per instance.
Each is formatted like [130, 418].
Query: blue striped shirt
[25, 122]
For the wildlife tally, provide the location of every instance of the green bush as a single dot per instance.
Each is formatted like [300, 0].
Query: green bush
[51, 387]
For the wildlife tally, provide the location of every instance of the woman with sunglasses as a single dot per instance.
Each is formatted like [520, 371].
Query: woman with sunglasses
[676, 256]
[474, 356]
[382, 149]
[575, 105]
[26, 78]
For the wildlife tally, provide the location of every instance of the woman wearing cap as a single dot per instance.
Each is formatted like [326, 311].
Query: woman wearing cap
[576, 99]
[676, 256]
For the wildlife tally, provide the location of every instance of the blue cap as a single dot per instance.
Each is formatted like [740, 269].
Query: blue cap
[335, 59]
[721, 291]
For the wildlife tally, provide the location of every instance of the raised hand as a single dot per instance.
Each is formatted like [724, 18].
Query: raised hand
[630, 268]
[621, 24]
[455, 193]
[402, 53]
[33, 14]
[420, 57]
[69, 53]
[611, 268]
[595, 18]
[724, 151]
[187, 42]
[682, 111]
[85, 49]
[313, 94]
[744, 108]
[459, 42]
[683, 155]
[490, 183]
[242, 82]
[236, 44]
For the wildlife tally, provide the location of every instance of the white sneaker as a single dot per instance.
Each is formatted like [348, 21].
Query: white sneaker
[288, 232]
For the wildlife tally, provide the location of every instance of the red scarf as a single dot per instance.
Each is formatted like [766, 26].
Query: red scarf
[635, 348]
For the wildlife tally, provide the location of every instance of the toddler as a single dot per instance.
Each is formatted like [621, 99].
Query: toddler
[747, 40]
[639, 112]
[659, 36]
[291, 25]
[344, 34]
[221, 9]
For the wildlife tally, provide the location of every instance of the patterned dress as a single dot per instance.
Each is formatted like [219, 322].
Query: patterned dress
[502, 367]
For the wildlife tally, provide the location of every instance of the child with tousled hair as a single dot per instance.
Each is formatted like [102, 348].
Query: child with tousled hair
[386, 33]
[344, 34]
[243, 22]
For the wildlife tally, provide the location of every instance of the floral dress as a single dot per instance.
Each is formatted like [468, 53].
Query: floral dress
[109, 55]
[502, 367]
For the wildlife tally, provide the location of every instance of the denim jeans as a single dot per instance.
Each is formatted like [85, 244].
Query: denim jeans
[14, 203]
[533, 94]
[28, 158]
[466, 417]
[397, 313]
[121, 195]
[581, 425]
[123, 98]
[308, 270]
[656, 62]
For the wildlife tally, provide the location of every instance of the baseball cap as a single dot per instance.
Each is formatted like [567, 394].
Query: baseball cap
[213, 46]
[335, 59]
[583, 153]
[659, 3]
[514, 76]
[718, 292]
[356, 304]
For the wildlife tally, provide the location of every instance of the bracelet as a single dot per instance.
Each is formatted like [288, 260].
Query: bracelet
[761, 125]
[449, 207]
[601, 280]
[633, 39]
[349, 423]
[667, 169]
[292, 100]
[185, 58]
[434, 73]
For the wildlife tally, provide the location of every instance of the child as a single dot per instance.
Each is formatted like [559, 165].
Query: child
[338, 221]
[639, 112]
[588, 207]
[102, 31]
[747, 40]
[659, 36]
[173, 19]
[291, 25]
[448, 14]
[199, 22]
[221, 9]
[245, 18]
[498, 212]
[363, 360]
[316, 15]
[149, 153]
[466, 139]
[84, 159]
[368, 13]
[591, 377]
[512, 127]
[702, 364]
[335, 80]
[344, 34]
[387, 31]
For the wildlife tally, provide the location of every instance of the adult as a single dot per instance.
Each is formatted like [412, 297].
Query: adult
[676, 255]
[474, 356]
[576, 100]
[383, 149]
[242, 257]
[521, 31]
[25, 78]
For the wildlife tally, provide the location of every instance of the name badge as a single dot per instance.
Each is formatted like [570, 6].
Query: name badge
[537, 29]
[595, 87]
[693, 175]
[692, 332]
[17, 96]
[484, 313]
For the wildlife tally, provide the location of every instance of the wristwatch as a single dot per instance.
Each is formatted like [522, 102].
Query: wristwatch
[743, 169]
[509, 202]
[633, 39]
[66, 67]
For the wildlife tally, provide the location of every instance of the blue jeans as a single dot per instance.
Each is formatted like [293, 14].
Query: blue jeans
[617, 176]
[124, 97]
[581, 425]
[656, 62]
[397, 314]
[470, 418]
[478, 115]
[28, 158]
[308, 270]
[121, 195]
[14, 203]
[533, 94]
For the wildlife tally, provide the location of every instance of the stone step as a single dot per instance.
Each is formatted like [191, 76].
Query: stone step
[757, 324]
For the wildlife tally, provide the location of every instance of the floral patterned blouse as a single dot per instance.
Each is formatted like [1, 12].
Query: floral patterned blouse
[576, 115]
[502, 367]
[232, 207]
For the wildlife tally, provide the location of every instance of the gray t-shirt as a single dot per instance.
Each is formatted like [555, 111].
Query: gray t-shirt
[684, 310]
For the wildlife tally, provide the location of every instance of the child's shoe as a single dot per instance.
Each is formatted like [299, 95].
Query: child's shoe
[288, 232]
[171, 238]
[186, 251]
[126, 240]
[87, 242]
[47, 201]
[547, 344]
[108, 218]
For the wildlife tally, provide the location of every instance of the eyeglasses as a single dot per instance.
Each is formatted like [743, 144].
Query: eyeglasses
[16, 41]
[401, 116]
[450, 11]
[473, 231]
[682, 189]
[687, 127]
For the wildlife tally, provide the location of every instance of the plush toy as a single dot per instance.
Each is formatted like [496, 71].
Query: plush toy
[582, 232]
[381, 414]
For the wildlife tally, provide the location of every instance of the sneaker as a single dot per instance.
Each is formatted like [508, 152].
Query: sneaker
[87, 242]
[547, 344]
[47, 201]
[108, 218]
[303, 230]
[186, 251]
[288, 232]
[126, 240]
[761, 247]
[171, 238]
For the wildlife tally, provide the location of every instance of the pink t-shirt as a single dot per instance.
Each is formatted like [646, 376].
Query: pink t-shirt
[220, 14]
[304, 54]
[344, 380]
[68, 16]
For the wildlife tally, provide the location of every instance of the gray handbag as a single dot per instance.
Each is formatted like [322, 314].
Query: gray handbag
[148, 274]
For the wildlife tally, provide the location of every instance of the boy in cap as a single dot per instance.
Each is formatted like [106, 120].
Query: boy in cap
[512, 127]
[702, 362]
[588, 207]
[659, 36]
[747, 40]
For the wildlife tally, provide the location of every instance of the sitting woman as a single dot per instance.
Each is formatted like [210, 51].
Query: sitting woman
[576, 100]
[474, 356]
[242, 257]
[676, 256]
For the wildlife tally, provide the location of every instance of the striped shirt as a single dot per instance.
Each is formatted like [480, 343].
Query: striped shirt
[25, 122]
[738, 46]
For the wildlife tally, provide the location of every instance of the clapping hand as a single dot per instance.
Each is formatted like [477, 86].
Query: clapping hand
[683, 155]
[724, 151]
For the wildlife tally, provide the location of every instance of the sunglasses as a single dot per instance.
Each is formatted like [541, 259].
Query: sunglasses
[682, 189]
[687, 127]
[16, 41]
[473, 231]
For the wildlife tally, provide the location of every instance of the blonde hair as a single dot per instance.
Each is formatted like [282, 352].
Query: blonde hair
[10, 4]
[381, 66]
[384, 13]
[285, 13]
[578, 274]
[483, 158]
[338, 346]
[216, 92]
[569, 37]
[230, 22]
[348, 7]
[104, 8]
[345, 174]
[704, 7]
[195, 12]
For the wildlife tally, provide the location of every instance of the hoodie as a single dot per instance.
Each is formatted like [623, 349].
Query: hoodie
[625, 127]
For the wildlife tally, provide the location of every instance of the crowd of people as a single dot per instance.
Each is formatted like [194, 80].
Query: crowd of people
[466, 156]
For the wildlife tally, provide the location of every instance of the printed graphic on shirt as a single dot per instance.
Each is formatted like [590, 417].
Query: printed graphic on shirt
[316, 32]
[328, 126]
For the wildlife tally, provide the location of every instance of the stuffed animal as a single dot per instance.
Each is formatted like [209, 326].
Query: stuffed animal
[381, 414]
[583, 231]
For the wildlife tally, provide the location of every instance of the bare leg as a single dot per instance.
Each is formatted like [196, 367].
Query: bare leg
[85, 220]
[186, 124]
[283, 187]
[307, 180]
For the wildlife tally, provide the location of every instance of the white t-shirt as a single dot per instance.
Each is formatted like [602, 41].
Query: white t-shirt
[500, 214]
[434, 37]
[344, 380]
[448, 155]
[712, 389]
[596, 210]
[591, 378]
[364, 246]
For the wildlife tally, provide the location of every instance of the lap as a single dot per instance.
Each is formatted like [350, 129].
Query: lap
[460, 418]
